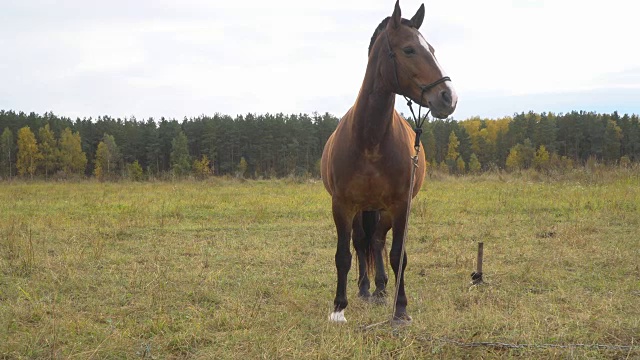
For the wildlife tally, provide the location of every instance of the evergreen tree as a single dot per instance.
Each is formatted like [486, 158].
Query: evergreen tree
[502, 149]
[527, 153]
[519, 129]
[7, 153]
[474, 164]
[167, 132]
[131, 142]
[210, 138]
[180, 162]
[441, 133]
[612, 142]
[571, 135]
[152, 149]
[460, 165]
[546, 132]
[429, 144]
[595, 138]
[632, 144]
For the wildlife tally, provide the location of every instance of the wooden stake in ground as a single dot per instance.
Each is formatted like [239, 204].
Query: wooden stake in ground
[476, 276]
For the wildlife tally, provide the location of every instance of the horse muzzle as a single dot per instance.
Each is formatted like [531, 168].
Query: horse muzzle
[442, 102]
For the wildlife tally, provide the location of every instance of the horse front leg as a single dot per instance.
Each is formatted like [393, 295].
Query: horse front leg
[399, 224]
[343, 218]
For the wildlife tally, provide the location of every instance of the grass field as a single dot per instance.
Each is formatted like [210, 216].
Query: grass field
[228, 269]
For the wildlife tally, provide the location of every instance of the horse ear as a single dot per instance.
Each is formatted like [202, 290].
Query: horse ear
[396, 18]
[416, 20]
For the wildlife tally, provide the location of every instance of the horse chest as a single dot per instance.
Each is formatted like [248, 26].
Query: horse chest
[373, 155]
[370, 188]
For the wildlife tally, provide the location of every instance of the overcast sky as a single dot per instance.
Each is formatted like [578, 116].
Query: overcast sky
[157, 58]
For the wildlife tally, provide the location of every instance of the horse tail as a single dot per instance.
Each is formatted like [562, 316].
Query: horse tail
[369, 223]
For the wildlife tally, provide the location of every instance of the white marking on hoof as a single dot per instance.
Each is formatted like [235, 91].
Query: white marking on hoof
[337, 316]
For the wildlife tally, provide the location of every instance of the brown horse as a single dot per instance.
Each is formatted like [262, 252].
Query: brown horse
[366, 163]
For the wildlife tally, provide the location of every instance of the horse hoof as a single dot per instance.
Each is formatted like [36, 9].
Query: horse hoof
[365, 295]
[402, 319]
[337, 317]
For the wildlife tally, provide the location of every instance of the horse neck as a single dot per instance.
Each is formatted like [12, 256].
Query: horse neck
[373, 110]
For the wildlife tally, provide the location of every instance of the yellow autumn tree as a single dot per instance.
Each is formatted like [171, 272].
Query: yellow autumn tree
[242, 168]
[102, 160]
[73, 160]
[134, 171]
[541, 160]
[201, 167]
[107, 158]
[514, 160]
[28, 153]
[452, 153]
[452, 148]
[48, 149]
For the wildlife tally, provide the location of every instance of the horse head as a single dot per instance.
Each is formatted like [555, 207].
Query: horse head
[409, 65]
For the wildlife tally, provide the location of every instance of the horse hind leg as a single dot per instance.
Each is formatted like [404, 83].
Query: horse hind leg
[361, 239]
[379, 238]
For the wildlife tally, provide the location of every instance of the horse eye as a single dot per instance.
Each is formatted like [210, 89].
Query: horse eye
[409, 51]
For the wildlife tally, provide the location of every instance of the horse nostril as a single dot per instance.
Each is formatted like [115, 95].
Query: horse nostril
[446, 97]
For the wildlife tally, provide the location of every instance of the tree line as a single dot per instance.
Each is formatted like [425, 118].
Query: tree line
[279, 145]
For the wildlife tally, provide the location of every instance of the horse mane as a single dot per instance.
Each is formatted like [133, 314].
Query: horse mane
[381, 27]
